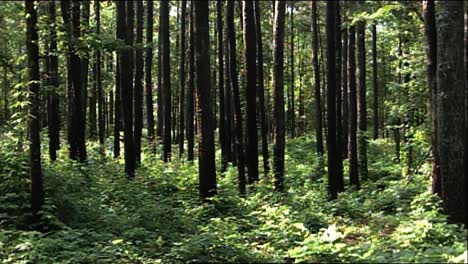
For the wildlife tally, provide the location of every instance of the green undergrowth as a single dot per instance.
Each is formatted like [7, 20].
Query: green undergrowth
[93, 214]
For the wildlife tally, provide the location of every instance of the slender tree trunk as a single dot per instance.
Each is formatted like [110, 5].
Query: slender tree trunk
[239, 141]
[181, 135]
[222, 110]
[352, 110]
[117, 106]
[250, 49]
[84, 27]
[166, 78]
[375, 83]
[191, 90]
[431, 56]
[53, 100]
[261, 89]
[292, 111]
[139, 75]
[315, 64]
[362, 110]
[78, 148]
[229, 120]
[35, 172]
[278, 90]
[206, 149]
[160, 109]
[97, 77]
[149, 71]
[331, 102]
[339, 114]
[344, 91]
[451, 127]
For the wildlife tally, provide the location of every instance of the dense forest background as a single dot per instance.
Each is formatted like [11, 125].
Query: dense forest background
[233, 131]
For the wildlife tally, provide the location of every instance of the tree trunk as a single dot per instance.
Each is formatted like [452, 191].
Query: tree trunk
[331, 102]
[160, 109]
[261, 88]
[451, 107]
[35, 172]
[53, 99]
[431, 56]
[229, 120]
[315, 64]
[362, 110]
[181, 135]
[97, 77]
[149, 72]
[166, 78]
[239, 143]
[191, 90]
[352, 110]
[250, 50]
[278, 84]
[339, 114]
[344, 91]
[375, 83]
[84, 27]
[206, 149]
[222, 110]
[292, 111]
[138, 82]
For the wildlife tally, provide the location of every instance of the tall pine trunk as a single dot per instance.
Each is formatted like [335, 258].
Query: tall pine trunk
[339, 98]
[278, 94]
[138, 91]
[352, 110]
[182, 79]
[362, 110]
[149, 72]
[222, 109]
[35, 171]
[317, 97]
[191, 90]
[206, 149]
[375, 86]
[165, 78]
[250, 51]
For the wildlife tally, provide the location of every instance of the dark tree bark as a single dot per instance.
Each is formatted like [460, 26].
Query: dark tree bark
[35, 170]
[291, 110]
[315, 64]
[375, 83]
[451, 108]
[165, 78]
[53, 99]
[191, 90]
[261, 89]
[84, 27]
[97, 77]
[117, 106]
[239, 141]
[222, 109]
[331, 101]
[339, 114]
[149, 72]
[139, 75]
[344, 91]
[250, 51]
[362, 110]
[206, 149]
[77, 116]
[229, 120]
[160, 109]
[182, 79]
[431, 56]
[278, 90]
[352, 110]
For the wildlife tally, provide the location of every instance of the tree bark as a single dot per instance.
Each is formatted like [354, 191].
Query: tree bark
[339, 114]
[84, 27]
[166, 78]
[250, 51]
[149, 71]
[35, 169]
[451, 107]
[206, 149]
[331, 102]
[344, 91]
[362, 110]
[97, 77]
[375, 83]
[278, 90]
[222, 109]
[239, 141]
[261, 88]
[352, 110]
[53, 100]
[291, 110]
[181, 135]
[315, 64]
[431, 56]
[191, 90]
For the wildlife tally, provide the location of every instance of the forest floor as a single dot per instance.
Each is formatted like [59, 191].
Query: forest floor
[93, 214]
